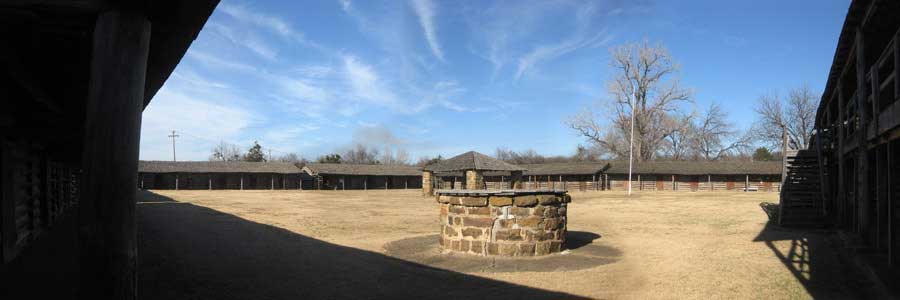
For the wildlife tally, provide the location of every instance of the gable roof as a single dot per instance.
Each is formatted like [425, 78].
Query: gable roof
[472, 161]
[217, 167]
[569, 168]
[366, 170]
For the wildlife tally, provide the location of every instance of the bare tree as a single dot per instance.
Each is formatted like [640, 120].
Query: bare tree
[642, 81]
[389, 157]
[677, 144]
[290, 157]
[714, 137]
[361, 154]
[796, 114]
[225, 152]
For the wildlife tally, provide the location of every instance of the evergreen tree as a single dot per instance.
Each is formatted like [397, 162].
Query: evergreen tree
[255, 153]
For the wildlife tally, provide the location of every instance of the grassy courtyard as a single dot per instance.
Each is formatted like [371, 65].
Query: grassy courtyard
[340, 244]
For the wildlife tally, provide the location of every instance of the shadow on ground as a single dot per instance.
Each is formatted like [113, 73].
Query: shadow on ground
[192, 252]
[815, 259]
[581, 254]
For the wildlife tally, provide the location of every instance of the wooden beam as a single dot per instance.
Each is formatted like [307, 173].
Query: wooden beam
[107, 233]
[863, 205]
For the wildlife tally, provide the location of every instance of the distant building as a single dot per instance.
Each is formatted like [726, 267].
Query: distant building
[221, 175]
[362, 177]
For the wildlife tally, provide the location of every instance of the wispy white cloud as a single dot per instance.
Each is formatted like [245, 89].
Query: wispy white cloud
[426, 13]
[246, 15]
[346, 5]
[366, 84]
[551, 51]
[245, 39]
[201, 120]
[213, 61]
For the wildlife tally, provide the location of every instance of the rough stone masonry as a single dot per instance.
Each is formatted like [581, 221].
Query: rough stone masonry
[508, 223]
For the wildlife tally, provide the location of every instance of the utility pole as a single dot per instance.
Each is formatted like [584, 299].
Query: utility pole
[631, 141]
[173, 136]
[270, 155]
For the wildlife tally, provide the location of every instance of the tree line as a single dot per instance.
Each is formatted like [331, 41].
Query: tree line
[645, 88]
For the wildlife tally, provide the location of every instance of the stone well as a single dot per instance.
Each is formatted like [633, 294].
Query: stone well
[503, 222]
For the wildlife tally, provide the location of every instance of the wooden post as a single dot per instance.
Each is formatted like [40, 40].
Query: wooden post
[115, 100]
[242, 181]
[747, 183]
[640, 183]
[283, 185]
[366, 183]
[343, 183]
[606, 184]
[176, 181]
[709, 182]
[862, 167]
[209, 177]
[674, 188]
[405, 183]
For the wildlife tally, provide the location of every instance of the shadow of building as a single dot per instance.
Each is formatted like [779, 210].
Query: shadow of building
[193, 252]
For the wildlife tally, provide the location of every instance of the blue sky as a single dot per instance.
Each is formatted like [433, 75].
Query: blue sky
[443, 77]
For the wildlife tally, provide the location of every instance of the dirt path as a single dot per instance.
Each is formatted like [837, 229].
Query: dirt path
[337, 244]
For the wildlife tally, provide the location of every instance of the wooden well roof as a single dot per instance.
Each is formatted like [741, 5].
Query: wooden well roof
[361, 170]
[472, 161]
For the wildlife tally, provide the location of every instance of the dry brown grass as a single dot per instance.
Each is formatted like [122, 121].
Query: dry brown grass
[674, 245]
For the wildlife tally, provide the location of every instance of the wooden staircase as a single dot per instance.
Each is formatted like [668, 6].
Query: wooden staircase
[801, 194]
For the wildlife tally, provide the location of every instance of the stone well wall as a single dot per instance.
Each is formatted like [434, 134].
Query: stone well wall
[508, 223]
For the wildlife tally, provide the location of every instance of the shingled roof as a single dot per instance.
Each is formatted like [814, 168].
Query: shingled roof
[365, 170]
[217, 167]
[698, 167]
[472, 161]
[570, 168]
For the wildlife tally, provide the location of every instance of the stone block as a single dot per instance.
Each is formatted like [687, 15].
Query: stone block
[454, 245]
[520, 211]
[472, 232]
[444, 210]
[474, 201]
[464, 245]
[541, 235]
[501, 201]
[542, 248]
[484, 211]
[483, 222]
[547, 199]
[457, 209]
[561, 211]
[526, 249]
[525, 201]
[493, 249]
[529, 222]
[450, 231]
[508, 235]
[457, 221]
[551, 223]
[509, 249]
[507, 223]
[566, 198]
[555, 246]
[444, 199]
[478, 247]
[551, 212]
[538, 210]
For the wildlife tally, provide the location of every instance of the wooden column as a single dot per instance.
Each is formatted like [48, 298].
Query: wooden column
[366, 183]
[747, 183]
[176, 181]
[107, 236]
[862, 167]
[882, 204]
[405, 183]
[283, 185]
[640, 185]
[209, 177]
[242, 182]
[709, 182]
[343, 183]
